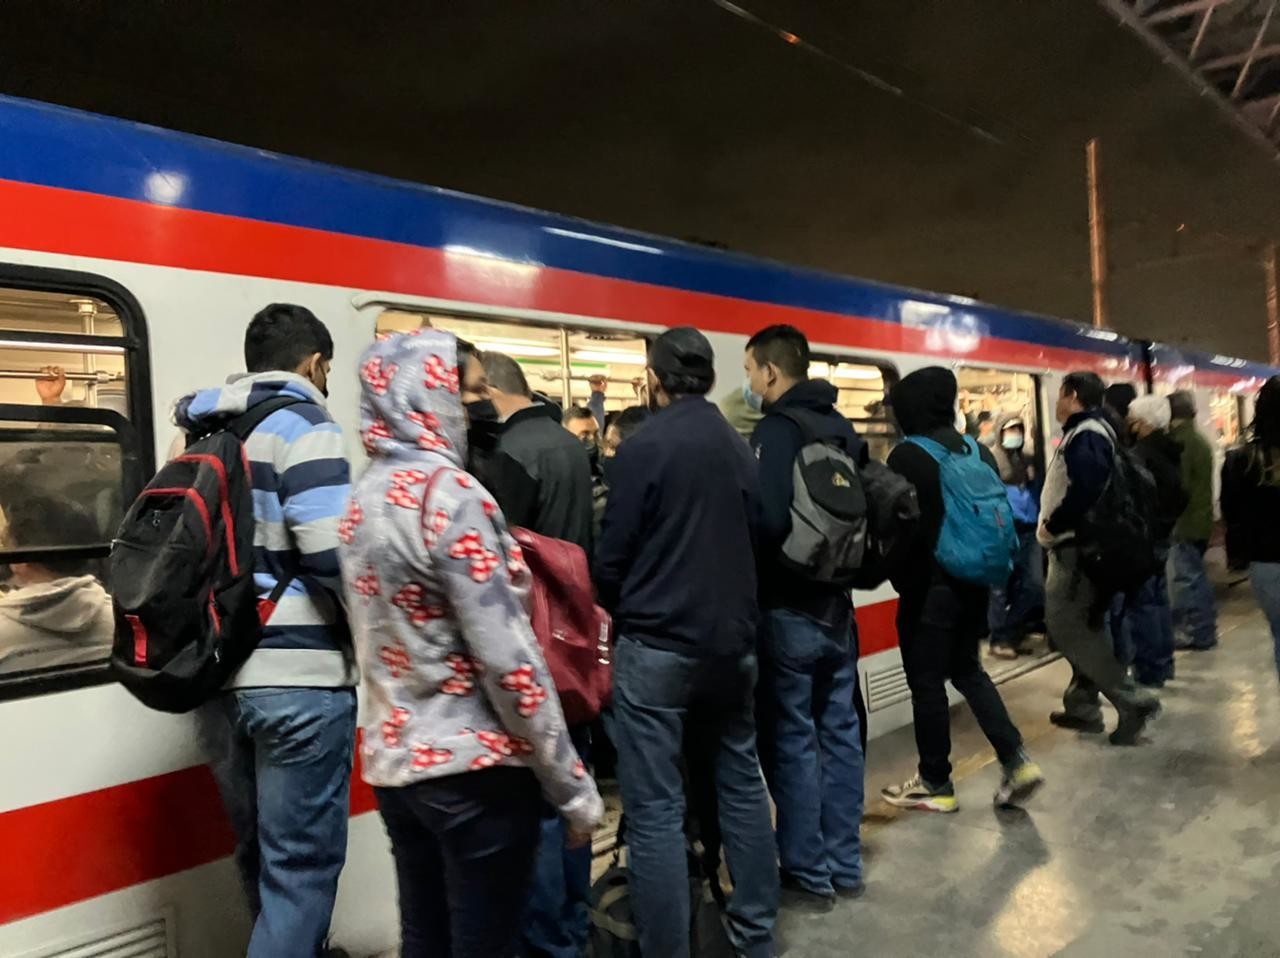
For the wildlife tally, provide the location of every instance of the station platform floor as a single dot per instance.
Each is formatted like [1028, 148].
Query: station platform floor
[1169, 848]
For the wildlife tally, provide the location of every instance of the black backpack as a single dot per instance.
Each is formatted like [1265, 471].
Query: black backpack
[1116, 539]
[828, 509]
[187, 612]
[893, 521]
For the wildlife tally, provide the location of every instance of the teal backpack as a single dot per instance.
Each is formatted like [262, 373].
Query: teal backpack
[977, 542]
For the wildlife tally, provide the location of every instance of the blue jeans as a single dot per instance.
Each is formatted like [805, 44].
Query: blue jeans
[655, 693]
[1149, 623]
[1016, 606]
[557, 918]
[282, 760]
[1191, 595]
[464, 847]
[1265, 578]
[811, 748]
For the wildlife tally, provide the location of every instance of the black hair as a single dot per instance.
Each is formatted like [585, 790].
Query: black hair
[33, 522]
[628, 421]
[504, 374]
[1086, 387]
[785, 347]
[577, 412]
[282, 336]
[1119, 396]
[1265, 428]
[676, 385]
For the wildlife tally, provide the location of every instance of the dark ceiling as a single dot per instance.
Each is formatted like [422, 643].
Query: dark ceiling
[936, 144]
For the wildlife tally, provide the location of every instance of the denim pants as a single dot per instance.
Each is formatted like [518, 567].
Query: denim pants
[1191, 595]
[1016, 605]
[1265, 579]
[1149, 622]
[811, 749]
[938, 637]
[557, 918]
[656, 692]
[282, 761]
[464, 847]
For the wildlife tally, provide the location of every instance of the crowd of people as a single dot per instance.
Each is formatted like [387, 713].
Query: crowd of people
[735, 683]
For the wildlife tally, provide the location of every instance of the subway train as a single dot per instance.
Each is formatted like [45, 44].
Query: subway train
[133, 257]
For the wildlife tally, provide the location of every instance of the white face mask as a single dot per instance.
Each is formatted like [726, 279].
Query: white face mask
[754, 401]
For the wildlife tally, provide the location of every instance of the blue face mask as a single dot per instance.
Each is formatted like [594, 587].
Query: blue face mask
[1011, 440]
[754, 401]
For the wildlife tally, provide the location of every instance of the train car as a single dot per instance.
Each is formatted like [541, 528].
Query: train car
[131, 258]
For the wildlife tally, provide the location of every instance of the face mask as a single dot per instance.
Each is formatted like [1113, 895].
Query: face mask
[481, 410]
[1011, 441]
[754, 401]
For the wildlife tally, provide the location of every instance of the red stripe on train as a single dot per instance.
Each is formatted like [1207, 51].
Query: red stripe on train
[87, 224]
[76, 848]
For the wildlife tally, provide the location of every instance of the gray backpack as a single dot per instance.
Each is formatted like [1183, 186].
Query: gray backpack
[828, 509]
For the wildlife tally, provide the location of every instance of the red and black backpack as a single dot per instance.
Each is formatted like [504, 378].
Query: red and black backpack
[187, 612]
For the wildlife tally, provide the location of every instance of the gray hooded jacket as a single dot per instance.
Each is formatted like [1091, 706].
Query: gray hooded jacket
[436, 588]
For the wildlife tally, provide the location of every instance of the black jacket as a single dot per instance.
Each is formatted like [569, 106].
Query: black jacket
[675, 563]
[776, 441]
[557, 466]
[1251, 504]
[924, 404]
[1161, 455]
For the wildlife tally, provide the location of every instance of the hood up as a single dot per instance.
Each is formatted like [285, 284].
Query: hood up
[65, 606]
[410, 399]
[207, 409]
[925, 400]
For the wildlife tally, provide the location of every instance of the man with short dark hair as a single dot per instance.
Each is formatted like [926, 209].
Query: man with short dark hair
[280, 738]
[557, 463]
[810, 745]
[1074, 607]
[1195, 618]
[675, 566]
[582, 425]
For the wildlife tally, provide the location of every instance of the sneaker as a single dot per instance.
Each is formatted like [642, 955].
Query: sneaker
[1077, 723]
[850, 892]
[796, 897]
[917, 793]
[1002, 651]
[1018, 783]
[1133, 721]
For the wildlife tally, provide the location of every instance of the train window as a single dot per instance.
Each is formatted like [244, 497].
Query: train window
[565, 364]
[989, 397]
[72, 376]
[863, 397]
[1224, 412]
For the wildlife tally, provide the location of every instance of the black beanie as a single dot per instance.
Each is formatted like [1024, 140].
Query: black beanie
[684, 356]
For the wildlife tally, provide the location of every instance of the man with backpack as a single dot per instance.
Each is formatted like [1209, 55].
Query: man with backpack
[280, 737]
[965, 544]
[675, 566]
[1077, 524]
[810, 746]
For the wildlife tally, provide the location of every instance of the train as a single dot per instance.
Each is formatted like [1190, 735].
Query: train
[132, 257]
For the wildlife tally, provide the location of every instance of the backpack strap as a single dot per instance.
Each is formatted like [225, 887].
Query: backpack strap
[803, 422]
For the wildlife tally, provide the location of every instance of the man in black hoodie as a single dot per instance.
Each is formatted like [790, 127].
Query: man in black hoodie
[810, 745]
[940, 618]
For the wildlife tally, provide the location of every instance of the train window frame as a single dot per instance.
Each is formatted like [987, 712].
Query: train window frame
[134, 435]
[1044, 434]
[889, 376]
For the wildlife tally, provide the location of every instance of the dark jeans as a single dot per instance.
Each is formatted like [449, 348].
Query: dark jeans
[940, 642]
[656, 692]
[282, 761]
[1149, 623]
[810, 747]
[1191, 595]
[464, 847]
[1016, 606]
[557, 919]
[1120, 629]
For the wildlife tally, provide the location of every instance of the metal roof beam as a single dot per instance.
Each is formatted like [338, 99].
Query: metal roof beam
[1253, 53]
[1183, 10]
[1235, 59]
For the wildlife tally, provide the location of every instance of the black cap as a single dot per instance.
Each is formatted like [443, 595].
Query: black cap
[685, 354]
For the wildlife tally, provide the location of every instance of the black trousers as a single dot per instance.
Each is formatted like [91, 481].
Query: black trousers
[938, 632]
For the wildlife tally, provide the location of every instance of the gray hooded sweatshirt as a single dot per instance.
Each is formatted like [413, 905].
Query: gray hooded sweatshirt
[436, 586]
[64, 622]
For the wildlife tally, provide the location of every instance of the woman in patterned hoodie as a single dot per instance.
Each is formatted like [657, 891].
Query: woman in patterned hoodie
[462, 724]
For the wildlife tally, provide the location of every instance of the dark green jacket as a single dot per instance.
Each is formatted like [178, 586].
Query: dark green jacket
[1196, 522]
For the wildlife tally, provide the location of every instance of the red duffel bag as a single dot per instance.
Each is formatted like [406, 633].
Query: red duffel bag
[575, 634]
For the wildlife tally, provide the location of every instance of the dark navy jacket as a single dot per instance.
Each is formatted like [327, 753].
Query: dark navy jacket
[776, 441]
[675, 563]
[1088, 457]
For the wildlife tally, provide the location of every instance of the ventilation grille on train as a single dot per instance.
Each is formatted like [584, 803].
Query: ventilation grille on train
[886, 688]
[152, 939]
